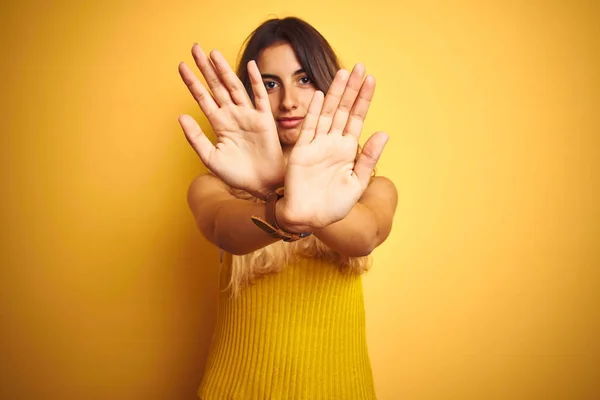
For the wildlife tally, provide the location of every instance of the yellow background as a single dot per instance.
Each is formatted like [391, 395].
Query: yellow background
[487, 287]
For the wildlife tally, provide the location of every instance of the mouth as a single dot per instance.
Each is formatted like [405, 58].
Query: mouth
[289, 123]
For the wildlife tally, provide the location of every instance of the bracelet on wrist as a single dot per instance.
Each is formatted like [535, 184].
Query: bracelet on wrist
[270, 225]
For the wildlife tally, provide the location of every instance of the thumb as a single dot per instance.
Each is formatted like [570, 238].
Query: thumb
[365, 164]
[196, 138]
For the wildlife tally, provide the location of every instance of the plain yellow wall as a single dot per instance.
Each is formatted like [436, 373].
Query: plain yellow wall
[487, 287]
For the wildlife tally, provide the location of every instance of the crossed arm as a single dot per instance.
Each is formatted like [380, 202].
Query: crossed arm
[225, 220]
[328, 190]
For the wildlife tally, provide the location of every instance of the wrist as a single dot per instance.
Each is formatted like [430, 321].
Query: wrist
[263, 192]
[285, 221]
[270, 224]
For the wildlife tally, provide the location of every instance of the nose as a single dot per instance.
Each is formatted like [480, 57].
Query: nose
[289, 102]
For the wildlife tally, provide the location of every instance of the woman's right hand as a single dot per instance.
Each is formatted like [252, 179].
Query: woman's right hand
[248, 153]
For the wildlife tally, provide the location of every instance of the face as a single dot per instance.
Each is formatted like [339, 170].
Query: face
[289, 88]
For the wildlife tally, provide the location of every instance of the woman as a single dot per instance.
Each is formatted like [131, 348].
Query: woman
[293, 205]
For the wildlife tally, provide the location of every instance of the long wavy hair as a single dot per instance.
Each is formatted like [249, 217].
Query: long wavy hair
[320, 63]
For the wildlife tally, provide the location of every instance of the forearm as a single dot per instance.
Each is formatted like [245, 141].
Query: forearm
[235, 232]
[353, 236]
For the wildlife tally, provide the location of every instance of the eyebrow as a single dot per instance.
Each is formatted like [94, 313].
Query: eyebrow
[270, 76]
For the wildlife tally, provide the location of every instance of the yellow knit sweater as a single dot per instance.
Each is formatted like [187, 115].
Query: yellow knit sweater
[296, 334]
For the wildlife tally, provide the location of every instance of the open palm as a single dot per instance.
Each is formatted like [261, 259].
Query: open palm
[248, 153]
[324, 177]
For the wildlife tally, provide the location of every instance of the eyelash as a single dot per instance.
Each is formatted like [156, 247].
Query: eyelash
[305, 80]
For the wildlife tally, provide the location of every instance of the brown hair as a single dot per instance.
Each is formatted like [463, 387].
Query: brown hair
[314, 53]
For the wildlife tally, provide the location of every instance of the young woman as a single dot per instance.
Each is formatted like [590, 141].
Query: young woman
[294, 206]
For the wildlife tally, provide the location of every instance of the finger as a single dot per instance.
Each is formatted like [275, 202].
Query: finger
[365, 164]
[360, 108]
[261, 97]
[332, 100]
[196, 138]
[199, 92]
[348, 98]
[309, 125]
[207, 69]
[236, 89]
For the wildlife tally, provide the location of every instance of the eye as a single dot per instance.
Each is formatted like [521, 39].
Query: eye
[305, 80]
[270, 85]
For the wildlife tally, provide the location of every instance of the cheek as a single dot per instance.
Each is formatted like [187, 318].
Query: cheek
[306, 96]
[273, 101]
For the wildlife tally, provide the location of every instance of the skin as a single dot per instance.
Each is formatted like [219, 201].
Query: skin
[248, 154]
[289, 89]
[320, 152]
[327, 190]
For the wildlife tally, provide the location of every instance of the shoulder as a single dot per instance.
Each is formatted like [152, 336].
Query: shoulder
[207, 183]
[207, 178]
[381, 197]
[381, 187]
[206, 195]
[205, 191]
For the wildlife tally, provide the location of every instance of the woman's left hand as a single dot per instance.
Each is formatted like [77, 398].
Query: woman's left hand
[324, 178]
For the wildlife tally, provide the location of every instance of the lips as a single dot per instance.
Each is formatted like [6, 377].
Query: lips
[289, 123]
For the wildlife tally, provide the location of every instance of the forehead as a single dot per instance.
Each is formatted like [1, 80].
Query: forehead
[278, 59]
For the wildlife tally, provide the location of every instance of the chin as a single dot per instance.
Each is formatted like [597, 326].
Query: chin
[289, 136]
